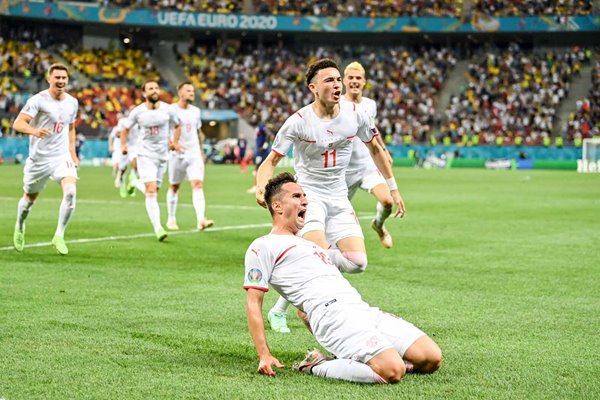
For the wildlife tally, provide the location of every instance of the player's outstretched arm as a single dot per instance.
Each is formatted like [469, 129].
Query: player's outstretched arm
[264, 173]
[256, 324]
[381, 161]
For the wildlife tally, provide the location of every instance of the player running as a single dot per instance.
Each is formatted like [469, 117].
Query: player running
[322, 136]
[153, 117]
[370, 346]
[190, 161]
[362, 172]
[49, 119]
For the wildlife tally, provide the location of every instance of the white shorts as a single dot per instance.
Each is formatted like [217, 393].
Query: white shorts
[335, 216]
[36, 174]
[360, 332]
[151, 169]
[366, 180]
[182, 166]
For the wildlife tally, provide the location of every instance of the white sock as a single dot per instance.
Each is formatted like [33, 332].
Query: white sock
[347, 370]
[382, 214]
[139, 185]
[280, 306]
[352, 262]
[172, 198]
[153, 210]
[199, 204]
[22, 212]
[67, 208]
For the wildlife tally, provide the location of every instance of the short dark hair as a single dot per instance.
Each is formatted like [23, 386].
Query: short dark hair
[59, 67]
[147, 81]
[318, 65]
[273, 187]
[182, 84]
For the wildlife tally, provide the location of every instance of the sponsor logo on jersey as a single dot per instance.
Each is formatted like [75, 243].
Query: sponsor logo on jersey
[255, 275]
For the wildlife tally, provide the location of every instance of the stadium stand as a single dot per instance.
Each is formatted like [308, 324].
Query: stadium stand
[585, 121]
[511, 97]
[533, 7]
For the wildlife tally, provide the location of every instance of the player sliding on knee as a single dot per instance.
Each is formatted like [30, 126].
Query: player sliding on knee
[369, 346]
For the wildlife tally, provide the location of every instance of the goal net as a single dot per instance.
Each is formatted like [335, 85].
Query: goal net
[590, 156]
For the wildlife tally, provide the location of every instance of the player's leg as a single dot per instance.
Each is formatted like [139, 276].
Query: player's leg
[277, 316]
[150, 171]
[176, 176]
[135, 180]
[23, 208]
[344, 230]
[385, 204]
[420, 353]
[35, 177]
[65, 213]
[195, 173]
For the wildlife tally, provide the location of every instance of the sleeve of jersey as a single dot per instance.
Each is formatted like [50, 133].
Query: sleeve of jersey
[285, 137]
[258, 267]
[76, 108]
[199, 118]
[174, 118]
[129, 122]
[366, 127]
[31, 107]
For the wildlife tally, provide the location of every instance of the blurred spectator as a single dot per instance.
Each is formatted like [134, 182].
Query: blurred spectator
[585, 121]
[533, 7]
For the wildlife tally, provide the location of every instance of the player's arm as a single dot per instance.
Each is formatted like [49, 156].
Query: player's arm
[124, 134]
[256, 325]
[72, 143]
[200, 143]
[22, 124]
[381, 161]
[379, 139]
[264, 173]
[174, 143]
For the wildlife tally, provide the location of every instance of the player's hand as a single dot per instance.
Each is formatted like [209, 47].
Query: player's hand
[124, 149]
[75, 159]
[265, 366]
[178, 147]
[260, 197]
[399, 202]
[40, 132]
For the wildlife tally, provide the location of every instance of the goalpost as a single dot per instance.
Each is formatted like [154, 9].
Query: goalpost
[590, 156]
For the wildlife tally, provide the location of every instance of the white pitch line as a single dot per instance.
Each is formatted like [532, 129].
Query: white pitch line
[142, 235]
[124, 202]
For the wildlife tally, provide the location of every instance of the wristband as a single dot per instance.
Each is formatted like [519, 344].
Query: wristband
[391, 182]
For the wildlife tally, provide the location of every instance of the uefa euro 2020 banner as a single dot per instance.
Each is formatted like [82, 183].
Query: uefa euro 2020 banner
[79, 12]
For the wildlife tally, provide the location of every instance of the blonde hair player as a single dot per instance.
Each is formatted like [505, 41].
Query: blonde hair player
[49, 119]
[362, 172]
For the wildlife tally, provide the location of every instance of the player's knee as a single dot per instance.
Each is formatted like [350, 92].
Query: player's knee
[393, 372]
[428, 358]
[358, 261]
[387, 203]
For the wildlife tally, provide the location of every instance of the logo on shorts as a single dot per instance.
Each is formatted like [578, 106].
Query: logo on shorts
[372, 342]
[255, 275]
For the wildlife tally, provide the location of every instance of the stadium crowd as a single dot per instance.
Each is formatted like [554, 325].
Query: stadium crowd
[585, 121]
[265, 85]
[533, 7]
[511, 97]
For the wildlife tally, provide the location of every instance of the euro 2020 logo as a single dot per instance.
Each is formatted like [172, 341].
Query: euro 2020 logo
[255, 275]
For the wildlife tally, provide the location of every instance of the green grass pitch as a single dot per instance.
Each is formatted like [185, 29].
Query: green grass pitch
[501, 268]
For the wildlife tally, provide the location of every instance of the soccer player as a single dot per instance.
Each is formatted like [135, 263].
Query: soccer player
[370, 346]
[322, 135]
[190, 161]
[49, 119]
[153, 117]
[362, 171]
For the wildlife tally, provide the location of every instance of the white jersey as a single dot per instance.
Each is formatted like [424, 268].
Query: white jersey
[153, 140]
[361, 157]
[54, 115]
[323, 148]
[115, 138]
[297, 269]
[191, 122]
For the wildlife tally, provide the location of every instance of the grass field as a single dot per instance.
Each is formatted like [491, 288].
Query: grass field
[501, 268]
